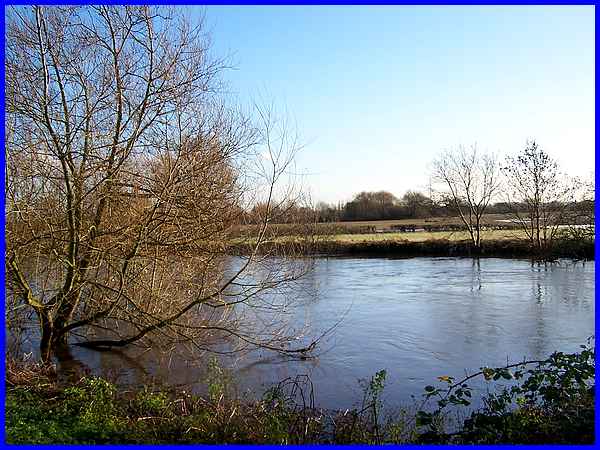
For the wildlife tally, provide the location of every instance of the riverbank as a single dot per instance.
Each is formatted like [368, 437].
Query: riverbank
[552, 402]
[419, 244]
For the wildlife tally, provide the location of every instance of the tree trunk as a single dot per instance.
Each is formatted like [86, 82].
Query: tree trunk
[64, 314]
[47, 340]
[472, 234]
[52, 335]
[478, 233]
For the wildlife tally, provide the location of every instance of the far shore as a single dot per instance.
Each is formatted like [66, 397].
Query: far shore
[500, 243]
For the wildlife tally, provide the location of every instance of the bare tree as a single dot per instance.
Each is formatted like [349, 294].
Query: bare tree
[471, 180]
[538, 193]
[125, 174]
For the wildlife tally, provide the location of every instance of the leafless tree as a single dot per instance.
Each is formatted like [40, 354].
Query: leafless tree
[471, 180]
[125, 174]
[538, 193]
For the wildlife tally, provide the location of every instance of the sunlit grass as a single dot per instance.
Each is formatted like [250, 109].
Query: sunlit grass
[416, 236]
[421, 236]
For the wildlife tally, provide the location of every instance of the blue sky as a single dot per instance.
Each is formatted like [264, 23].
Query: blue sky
[377, 92]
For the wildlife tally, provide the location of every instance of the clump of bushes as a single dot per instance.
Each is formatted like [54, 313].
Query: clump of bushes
[95, 411]
[545, 402]
[535, 402]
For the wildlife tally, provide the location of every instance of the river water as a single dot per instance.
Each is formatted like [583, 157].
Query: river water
[418, 318]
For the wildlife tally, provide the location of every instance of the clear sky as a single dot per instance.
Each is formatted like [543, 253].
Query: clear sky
[377, 92]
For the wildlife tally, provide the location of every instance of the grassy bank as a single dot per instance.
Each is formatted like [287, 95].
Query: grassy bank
[549, 401]
[498, 243]
[434, 236]
[423, 236]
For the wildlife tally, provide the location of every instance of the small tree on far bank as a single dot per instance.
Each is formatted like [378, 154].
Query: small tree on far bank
[583, 218]
[471, 179]
[538, 194]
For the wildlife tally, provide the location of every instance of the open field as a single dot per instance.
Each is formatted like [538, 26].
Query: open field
[487, 219]
[417, 236]
[432, 227]
[422, 236]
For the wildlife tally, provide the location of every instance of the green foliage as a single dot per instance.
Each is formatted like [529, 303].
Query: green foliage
[93, 399]
[289, 414]
[85, 413]
[218, 380]
[364, 425]
[278, 409]
[149, 402]
[372, 394]
[549, 401]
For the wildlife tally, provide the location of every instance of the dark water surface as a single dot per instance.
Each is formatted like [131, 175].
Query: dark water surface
[418, 318]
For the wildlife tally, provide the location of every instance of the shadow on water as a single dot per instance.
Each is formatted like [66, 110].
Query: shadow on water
[70, 369]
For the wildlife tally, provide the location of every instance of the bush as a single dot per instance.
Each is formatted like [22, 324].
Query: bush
[549, 401]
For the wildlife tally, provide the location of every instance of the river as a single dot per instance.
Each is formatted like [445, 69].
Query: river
[418, 318]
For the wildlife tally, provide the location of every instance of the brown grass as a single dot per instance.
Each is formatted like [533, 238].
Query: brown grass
[422, 236]
[28, 374]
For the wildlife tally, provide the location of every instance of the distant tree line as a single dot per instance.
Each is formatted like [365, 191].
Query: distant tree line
[380, 205]
[383, 205]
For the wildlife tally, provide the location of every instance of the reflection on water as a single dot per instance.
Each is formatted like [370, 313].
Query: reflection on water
[418, 318]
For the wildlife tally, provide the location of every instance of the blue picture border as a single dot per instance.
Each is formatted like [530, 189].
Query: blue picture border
[282, 4]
